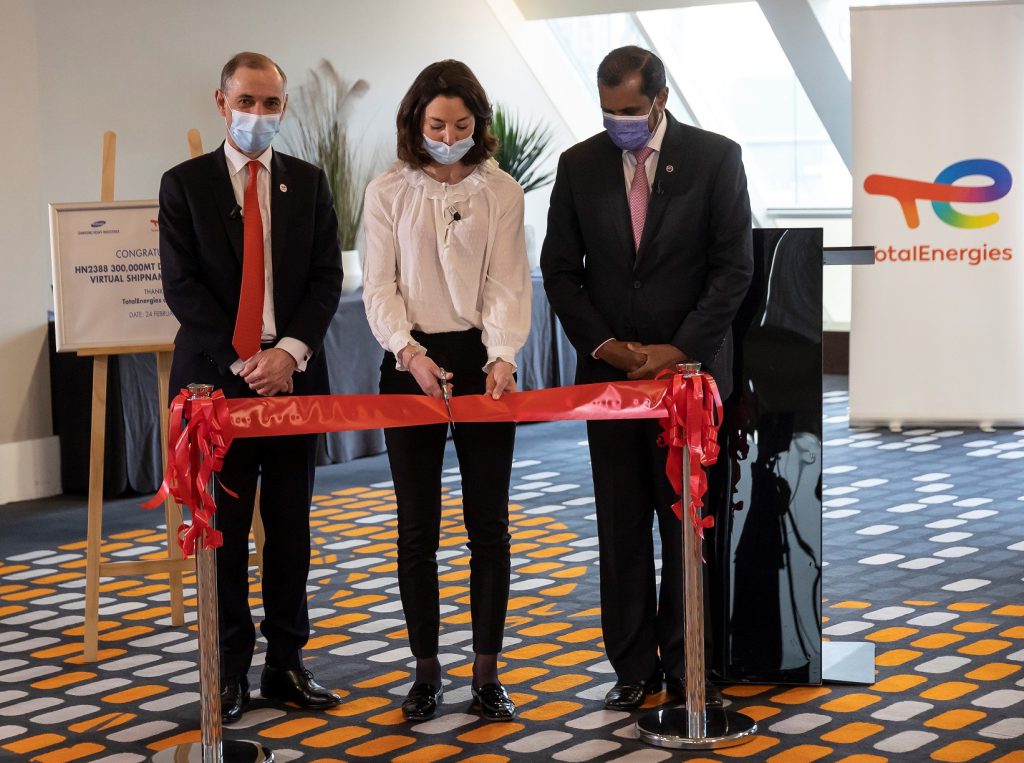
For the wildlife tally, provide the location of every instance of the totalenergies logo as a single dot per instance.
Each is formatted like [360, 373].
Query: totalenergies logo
[942, 193]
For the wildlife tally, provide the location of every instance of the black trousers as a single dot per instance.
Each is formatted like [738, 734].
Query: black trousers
[643, 627]
[284, 467]
[416, 455]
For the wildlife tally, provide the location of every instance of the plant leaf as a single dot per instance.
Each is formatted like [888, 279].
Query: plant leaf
[318, 133]
[522, 146]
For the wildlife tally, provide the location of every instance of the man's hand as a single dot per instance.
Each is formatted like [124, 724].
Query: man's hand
[426, 373]
[269, 372]
[500, 379]
[619, 354]
[659, 357]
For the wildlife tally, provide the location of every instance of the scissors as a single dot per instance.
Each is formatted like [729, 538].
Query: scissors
[446, 393]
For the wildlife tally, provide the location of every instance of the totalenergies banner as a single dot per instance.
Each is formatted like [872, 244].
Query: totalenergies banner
[938, 146]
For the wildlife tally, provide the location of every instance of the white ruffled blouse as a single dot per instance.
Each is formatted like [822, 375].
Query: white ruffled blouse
[443, 257]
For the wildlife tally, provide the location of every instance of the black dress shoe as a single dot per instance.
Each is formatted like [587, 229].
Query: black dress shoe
[421, 702]
[494, 703]
[676, 687]
[296, 686]
[629, 695]
[234, 696]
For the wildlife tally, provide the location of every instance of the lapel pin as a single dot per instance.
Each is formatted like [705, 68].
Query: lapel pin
[283, 187]
[669, 168]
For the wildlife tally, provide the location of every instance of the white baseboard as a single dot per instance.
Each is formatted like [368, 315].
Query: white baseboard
[29, 469]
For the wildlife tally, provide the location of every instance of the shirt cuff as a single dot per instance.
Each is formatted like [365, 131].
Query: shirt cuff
[596, 349]
[494, 354]
[401, 340]
[297, 349]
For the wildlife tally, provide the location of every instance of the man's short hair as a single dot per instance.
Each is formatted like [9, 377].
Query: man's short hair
[249, 60]
[622, 62]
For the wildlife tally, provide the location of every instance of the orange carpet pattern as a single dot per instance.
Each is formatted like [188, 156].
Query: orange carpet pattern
[950, 666]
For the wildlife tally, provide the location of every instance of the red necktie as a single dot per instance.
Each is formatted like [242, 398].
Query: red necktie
[249, 323]
[639, 194]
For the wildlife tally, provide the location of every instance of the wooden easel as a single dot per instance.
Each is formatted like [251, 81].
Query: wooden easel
[95, 565]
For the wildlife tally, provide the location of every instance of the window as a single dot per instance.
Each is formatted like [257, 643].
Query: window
[727, 68]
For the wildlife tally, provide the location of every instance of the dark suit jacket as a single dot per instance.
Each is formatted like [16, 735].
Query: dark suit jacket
[686, 282]
[201, 235]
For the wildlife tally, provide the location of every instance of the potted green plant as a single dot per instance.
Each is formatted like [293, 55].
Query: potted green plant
[319, 134]
[523, 147]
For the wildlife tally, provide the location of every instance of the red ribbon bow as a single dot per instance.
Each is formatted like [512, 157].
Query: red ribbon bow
[694, 415]
[196, 451]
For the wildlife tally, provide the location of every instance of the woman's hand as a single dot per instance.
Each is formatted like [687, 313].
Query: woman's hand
[500, 379]
[427, 374]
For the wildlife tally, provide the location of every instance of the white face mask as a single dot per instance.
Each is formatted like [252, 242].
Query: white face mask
[442, 153]
[253, 133]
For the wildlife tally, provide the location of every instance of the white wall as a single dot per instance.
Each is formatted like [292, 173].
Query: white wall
[29, 456]
[150, 85]
[148, 71]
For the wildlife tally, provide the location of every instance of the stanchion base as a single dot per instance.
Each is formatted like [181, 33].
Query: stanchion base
[234, 751]
[848, 662]
[668, 727]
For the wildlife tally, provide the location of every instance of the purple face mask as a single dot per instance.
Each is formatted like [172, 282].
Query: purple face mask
[629, 133]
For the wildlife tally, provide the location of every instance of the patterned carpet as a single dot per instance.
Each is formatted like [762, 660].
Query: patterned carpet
[924, 542]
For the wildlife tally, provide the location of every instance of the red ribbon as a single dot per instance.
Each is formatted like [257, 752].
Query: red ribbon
[695, 413]
[271, 416]
[196, 449]
[195, 452]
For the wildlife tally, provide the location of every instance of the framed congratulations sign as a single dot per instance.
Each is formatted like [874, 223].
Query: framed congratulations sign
[107, 287]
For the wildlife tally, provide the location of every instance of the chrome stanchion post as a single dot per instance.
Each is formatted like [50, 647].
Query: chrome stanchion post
[212, 748]
[693, 611]
[209, 652]
[693, 726]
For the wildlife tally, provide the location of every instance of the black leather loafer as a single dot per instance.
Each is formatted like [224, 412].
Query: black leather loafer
[296, 686]
[234, 696]
[494, 703]
[629, 695]
[676, 687]
[421, 702]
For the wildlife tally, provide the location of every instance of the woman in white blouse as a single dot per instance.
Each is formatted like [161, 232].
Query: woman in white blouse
[446, 285]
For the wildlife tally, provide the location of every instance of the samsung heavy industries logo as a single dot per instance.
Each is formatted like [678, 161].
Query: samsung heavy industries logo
[98, 228]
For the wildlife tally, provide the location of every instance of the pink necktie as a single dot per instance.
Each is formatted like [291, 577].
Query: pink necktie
[639, 194]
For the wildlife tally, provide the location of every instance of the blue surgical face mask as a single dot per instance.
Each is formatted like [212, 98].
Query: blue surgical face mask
[252, 133]
[629, 133]
[442, 153]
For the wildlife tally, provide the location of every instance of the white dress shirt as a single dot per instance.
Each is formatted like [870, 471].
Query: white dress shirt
[629, 170]
[238, 171]
[443, 257]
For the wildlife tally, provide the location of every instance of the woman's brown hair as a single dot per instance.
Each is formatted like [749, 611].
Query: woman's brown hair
[454, 80]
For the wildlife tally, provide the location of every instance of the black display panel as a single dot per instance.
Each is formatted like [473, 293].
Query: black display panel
[765, 553]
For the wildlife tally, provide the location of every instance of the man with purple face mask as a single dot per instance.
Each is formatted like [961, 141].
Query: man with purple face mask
[647, 258]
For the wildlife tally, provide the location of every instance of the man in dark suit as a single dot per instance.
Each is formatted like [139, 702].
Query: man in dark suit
[646, 261]
[252, 271]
